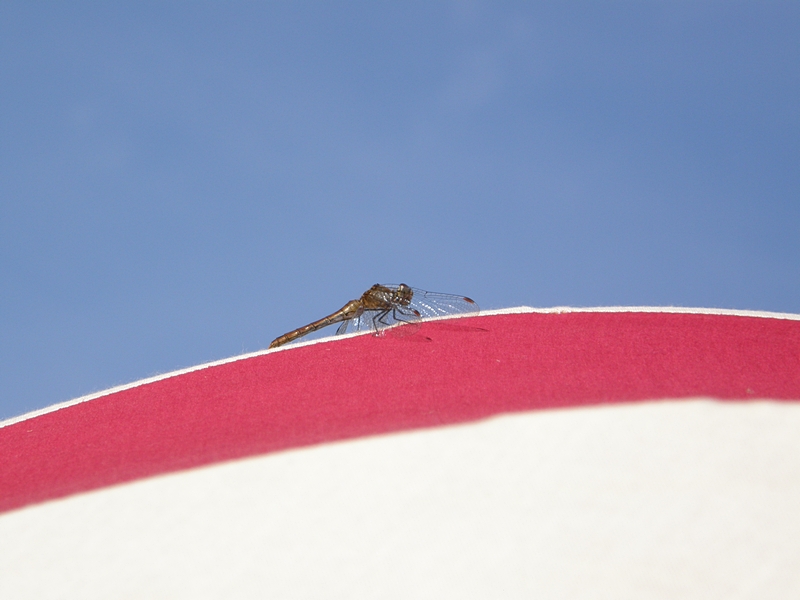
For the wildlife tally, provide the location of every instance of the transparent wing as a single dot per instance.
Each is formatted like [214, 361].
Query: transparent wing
[423, 305]
[434, 304]
[361, 323]
[375, 320]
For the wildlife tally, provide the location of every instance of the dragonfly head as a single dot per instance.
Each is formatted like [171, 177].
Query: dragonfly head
[403, 295]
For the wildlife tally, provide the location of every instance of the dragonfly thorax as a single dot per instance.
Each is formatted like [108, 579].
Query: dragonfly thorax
[384, 297]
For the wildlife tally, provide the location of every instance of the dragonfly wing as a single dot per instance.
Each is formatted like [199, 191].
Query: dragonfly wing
[434, 304]
[423, 304]
[376, 320]
[363, 322]
[403, 314]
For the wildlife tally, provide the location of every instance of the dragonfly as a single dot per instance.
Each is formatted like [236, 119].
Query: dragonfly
[385, 305]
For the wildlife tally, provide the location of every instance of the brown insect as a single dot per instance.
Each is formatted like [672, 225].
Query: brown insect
[382, 306]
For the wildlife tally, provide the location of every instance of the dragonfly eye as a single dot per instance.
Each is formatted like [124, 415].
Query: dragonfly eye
[403, 294]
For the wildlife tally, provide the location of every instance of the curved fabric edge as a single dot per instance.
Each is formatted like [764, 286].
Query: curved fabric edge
[449, 371]
[502, 311]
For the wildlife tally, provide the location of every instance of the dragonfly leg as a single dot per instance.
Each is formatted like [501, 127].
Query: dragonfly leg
[405, 315]
[379, 320]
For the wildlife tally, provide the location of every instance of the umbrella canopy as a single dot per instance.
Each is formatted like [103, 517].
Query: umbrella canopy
[557, 452]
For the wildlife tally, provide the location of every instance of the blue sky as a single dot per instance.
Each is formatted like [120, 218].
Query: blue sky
[182, 182]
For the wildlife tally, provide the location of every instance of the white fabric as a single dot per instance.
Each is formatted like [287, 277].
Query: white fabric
[687, 499]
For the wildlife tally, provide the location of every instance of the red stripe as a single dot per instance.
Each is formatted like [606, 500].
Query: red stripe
[448, 372]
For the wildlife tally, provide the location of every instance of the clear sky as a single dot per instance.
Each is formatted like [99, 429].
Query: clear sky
[182, 182]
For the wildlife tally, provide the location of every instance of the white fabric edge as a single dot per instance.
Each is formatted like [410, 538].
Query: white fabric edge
[483, 313]
[730, 312]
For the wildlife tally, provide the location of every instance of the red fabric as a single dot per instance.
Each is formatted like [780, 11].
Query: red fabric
[448, 372]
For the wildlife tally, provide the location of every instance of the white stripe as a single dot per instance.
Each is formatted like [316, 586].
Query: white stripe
[687, 499]
[502, 311]
[646, 309]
